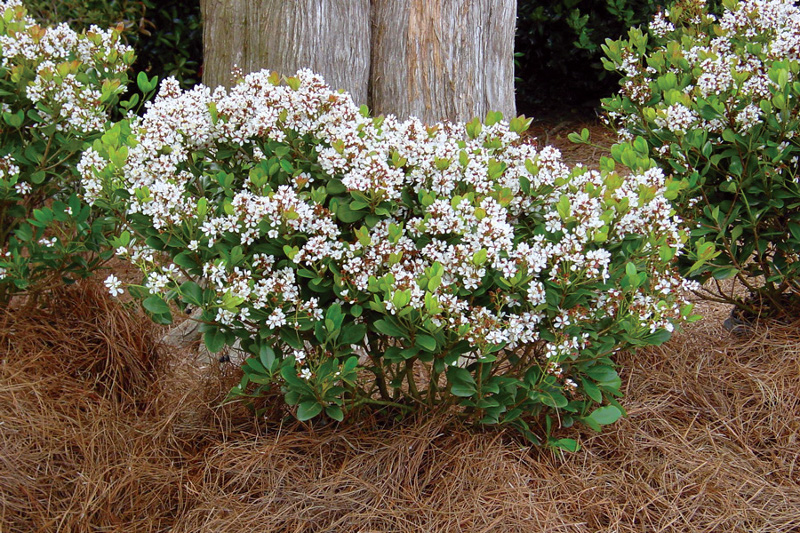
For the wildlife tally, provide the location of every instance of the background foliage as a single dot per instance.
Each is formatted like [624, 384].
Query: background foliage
[57, 89]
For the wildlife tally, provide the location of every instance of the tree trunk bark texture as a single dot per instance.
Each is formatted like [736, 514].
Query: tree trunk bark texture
[443, 59]
[434, 59]
[331, 37]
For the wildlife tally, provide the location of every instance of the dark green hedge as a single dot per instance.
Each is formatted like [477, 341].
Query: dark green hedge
[558, 49]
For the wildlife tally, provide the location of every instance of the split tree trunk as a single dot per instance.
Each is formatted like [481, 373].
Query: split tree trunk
[331, 37]
[435, 59]
[443, 59]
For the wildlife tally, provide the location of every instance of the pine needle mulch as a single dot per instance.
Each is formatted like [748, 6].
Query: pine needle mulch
[103, 430]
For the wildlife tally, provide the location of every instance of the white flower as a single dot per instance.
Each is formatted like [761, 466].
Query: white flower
[276, 319]
[660, 25]
[677, 118]
[114, 285]
[306, 374]
[23, 188]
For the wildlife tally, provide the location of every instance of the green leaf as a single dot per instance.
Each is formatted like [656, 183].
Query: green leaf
[462, 382]
[462, 391]
[591, 423]
[480, 256]
[605, 415]
[794, 228]
[267, 357]
[426, 342]
[347, 215]
[156, 305]
[289, 375]
[553, 399]
[387, 328]
[602, 373]
[308, 410]
[334, 187]
[570, 445]
[582, 138]
[24, 233]
[192, 293]
[214, 340]
[146, 85]
[592, 390]
[14, 119]
[563, 207]
[254, 366]
[335, 412]
[290, 337]
[38, 177]
[353, 333]
[350, 365]
[658, 338]
[185, 260]
[473, 128]
[43, 215]
[408, 353]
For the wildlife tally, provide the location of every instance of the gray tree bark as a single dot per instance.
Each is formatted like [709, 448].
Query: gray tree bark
[443, 59]
[434, 59]
[331, 37]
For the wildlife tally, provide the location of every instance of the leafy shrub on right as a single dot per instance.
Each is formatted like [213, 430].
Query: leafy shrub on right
[717, 100]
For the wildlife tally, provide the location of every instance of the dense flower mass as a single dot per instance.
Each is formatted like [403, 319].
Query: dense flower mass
[283, 200]
[732, 63]
[717, 100]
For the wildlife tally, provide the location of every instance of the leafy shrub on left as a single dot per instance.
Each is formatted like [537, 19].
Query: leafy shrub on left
[56, 89]
[166, 34]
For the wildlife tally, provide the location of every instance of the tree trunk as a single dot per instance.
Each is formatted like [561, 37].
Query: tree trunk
[435, 59]
[443, 59]
[331, 37]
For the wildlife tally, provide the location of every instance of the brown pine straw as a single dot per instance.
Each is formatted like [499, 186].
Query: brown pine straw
[101, 430]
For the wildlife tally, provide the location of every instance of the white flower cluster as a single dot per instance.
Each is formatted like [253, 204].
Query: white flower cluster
[660, 26]
[467, 212]
[729, 65]
[61, 58]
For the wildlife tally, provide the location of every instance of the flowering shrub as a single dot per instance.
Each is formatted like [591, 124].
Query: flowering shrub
[717, 102]
[56, 87]
[371, 261]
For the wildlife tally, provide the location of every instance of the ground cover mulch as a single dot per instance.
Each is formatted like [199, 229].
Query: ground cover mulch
[553, 128]
[103, 428]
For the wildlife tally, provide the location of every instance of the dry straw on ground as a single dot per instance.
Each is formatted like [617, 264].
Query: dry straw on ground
[101, 430]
